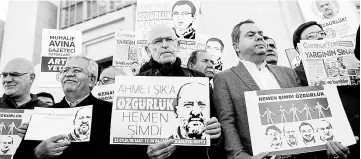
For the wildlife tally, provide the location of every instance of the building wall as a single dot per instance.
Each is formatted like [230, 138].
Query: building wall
[2, 27]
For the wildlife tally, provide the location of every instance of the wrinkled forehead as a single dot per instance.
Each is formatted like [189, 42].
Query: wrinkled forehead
[109, 72]
[270, 41]
[249, 27]
[79, 62]
[214, 44]
[160, 31]
[203, 55]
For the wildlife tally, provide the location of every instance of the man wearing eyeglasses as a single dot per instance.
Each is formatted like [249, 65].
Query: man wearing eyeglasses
[183, 15]
[77, 78]
[350, 95]
[163, 47]
[108, 75]
[271, 54]
[17, 78]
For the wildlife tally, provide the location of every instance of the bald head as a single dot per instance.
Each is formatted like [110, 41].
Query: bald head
[160, 31]
[20, 65]
[108, 75]
[17, 78]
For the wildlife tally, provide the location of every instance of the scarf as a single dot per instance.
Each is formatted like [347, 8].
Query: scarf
[167, 69]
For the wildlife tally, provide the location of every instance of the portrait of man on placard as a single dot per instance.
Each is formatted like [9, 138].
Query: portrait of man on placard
[308, 133]
[275, 136]
[190, 111]
[328, 8]
[82, 125]
[5, 145]
[325, 130]
[183, 15]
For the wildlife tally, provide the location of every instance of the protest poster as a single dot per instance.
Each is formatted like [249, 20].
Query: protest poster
[57, 46]
[127, 55]
[296, 120]
[148, 110]
[293, 57]
[104, 92]
[330, 61]
[75, 122]
[214, 46]
[336, 16]
[10, 119]
[181, 16]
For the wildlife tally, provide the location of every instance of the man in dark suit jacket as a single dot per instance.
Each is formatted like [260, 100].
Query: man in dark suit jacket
[78, 77]
[252, 73]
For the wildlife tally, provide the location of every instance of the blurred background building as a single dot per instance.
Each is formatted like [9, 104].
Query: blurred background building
[98, 20]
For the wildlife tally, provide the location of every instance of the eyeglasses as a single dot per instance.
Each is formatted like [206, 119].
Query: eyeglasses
[12, 74]
[105, 80]
[159, 41]
[315, 35]
[74, 70]
[65, 70]
[182, 14]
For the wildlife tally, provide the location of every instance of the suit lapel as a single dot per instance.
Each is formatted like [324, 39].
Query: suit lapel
[241, 71]
[277, 75]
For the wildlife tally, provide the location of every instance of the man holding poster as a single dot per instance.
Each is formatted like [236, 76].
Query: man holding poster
[77, 78]
[252, 73]
[163, 47]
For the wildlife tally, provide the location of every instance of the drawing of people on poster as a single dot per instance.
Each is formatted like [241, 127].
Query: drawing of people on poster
[82, 125]
[189, 110]
[308, 133]
[6, 143]
[275, 136]
[183, 16]
[325, 131]
[290, 134]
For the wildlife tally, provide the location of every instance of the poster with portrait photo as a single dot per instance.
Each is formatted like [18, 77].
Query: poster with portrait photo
[128, 55]
[48, 122]
[336, 16]
[56, 47]
[296, 120]
[10, 119]
[147, 110]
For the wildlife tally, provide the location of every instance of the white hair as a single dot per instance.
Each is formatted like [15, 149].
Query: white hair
[92, 66]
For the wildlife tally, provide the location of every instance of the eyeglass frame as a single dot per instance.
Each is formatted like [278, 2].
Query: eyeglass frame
[18, 74]
[72, 71]
[319, 33]
[101, 80]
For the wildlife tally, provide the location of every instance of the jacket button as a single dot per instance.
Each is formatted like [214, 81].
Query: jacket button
[356, 116]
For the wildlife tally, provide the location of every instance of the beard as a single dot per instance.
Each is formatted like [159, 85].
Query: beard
[194, 129]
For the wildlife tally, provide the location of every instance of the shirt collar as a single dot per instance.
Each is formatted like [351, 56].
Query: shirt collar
[263, 65]
[73, 104]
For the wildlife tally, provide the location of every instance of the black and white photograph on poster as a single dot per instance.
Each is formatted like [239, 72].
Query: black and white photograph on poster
[294, 110]
[296, 120]
[159, 110]
[183, 16]
[327, 9]
[189, 111]
[75, 122]
[215, 47]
